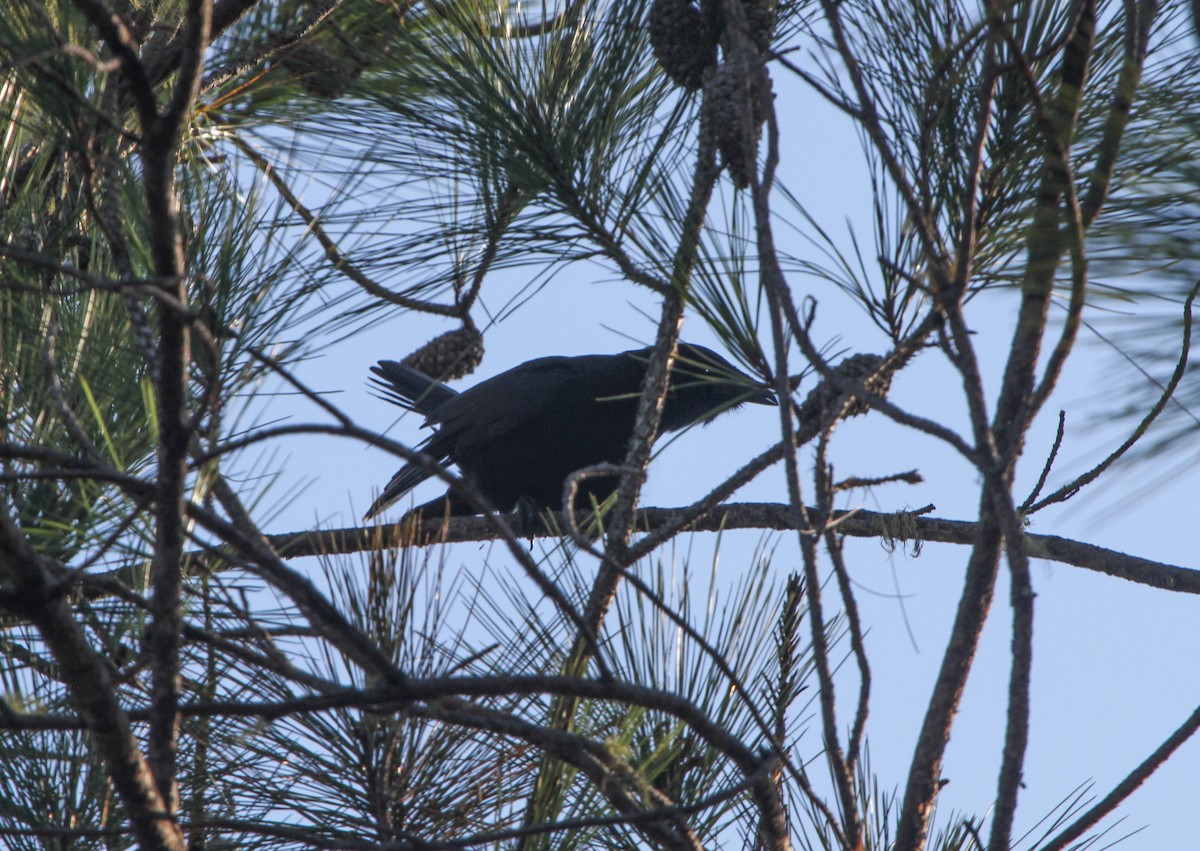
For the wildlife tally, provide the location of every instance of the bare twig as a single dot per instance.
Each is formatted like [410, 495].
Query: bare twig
[75, 51]
[881, 139]
[433, 531]
[165, 49]
[924, 774]
[661, 823]
[833, 545]
[1070, 489]
[1045, 474]
[54, 383]
[1139, 23]
[257, 555]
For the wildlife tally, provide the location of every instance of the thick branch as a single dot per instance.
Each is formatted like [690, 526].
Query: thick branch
[38, 595]
[890, 528]
[924, 776]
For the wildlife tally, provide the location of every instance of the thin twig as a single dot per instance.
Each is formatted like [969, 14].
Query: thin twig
[498, 525]
[315, 12]
[1071, 488]
[1049, 465]
[924, 773]
[54, 383]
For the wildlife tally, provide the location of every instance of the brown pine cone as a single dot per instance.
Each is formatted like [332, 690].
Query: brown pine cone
[449, 356]
[319, 71]
[825, 400]
[726, 115]
[761, 17]
[684, 38]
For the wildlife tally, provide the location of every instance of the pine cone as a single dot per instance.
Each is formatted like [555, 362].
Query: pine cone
[826, 400]
[761, 17]
[448, 356]
[725, 115]
[320, 72]
[684, 38]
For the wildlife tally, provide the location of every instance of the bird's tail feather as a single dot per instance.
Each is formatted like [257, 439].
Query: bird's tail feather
[410, 388]
[405, 480]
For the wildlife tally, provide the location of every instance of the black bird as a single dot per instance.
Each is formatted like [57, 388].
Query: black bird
[518, 435]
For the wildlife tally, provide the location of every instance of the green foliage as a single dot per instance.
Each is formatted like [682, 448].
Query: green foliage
[391, 773]
[55, 779]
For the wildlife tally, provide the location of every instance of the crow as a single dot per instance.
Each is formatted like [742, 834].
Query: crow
[518, 435]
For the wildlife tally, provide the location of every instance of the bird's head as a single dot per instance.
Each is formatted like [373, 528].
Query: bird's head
[703, 385]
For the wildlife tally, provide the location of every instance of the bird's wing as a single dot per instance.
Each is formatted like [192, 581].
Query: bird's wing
[506, 403]
[410, 389]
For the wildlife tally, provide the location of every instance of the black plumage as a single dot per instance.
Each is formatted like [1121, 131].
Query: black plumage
[518, 435]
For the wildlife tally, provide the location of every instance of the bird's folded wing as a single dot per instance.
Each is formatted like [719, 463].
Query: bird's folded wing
[505, 404]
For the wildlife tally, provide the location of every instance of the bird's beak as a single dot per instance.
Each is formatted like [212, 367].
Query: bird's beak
[762, 395]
